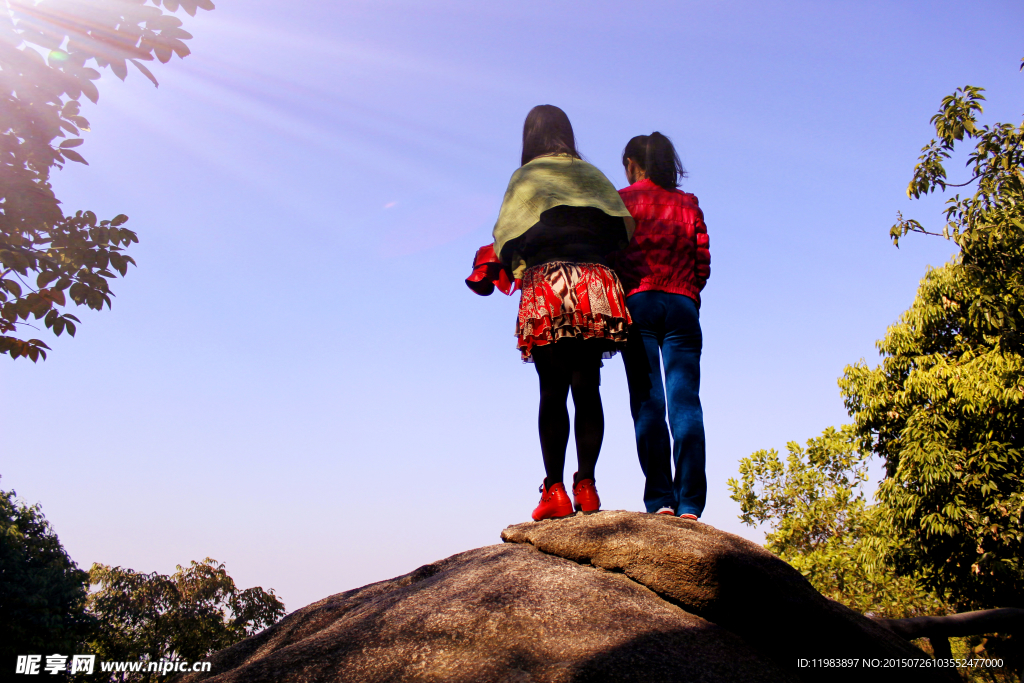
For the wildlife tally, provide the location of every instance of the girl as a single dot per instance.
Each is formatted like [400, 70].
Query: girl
[559, 221]
[663, 270]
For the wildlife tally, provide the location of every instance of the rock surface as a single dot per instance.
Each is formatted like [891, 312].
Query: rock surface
[613, 596]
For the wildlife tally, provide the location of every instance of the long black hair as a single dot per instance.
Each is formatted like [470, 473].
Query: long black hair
[657, 158]
[547, 131]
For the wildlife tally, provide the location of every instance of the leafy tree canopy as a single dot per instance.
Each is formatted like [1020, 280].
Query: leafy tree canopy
[46, 606]
[188, 615]
[945, 408]
[47, 52]
[821, 523]
[42, 591]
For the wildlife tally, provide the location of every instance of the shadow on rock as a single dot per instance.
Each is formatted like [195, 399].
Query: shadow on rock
[613, 596]
[732, 583]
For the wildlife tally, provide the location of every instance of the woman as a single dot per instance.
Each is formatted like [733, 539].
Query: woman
[663, 270]
[560, 219]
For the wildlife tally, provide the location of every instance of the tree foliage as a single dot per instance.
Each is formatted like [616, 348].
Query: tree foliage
[188, 615]
[821, 523]
[46, 606]
[46, 48]
[945, 408]
[42, 591]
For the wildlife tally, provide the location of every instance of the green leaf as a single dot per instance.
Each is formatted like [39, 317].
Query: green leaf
[12, 287]
[73, 156]
[90, 91]
[145, 72]
[119, 68]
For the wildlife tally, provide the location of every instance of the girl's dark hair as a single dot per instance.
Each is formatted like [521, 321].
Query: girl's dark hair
[547, 131]
[657, 158]
[636, 149]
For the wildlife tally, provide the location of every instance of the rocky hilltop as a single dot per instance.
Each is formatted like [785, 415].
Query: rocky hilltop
[612, 596]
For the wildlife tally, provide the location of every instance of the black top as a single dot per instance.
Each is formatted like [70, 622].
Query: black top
[569, 233]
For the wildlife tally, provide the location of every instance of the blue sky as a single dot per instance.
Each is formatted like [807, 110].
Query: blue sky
[296, 381]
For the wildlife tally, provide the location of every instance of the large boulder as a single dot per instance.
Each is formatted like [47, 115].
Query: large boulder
[613, 596]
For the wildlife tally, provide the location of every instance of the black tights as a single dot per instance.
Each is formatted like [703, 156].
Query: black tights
[569, 364]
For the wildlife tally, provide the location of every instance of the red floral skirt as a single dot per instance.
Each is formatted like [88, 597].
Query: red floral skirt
[562, 300]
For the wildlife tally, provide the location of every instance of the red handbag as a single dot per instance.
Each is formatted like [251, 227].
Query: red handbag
[488, 273]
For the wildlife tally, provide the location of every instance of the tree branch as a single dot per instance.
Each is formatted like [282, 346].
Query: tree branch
[961, 184]
[1005, 620]
[925, 232]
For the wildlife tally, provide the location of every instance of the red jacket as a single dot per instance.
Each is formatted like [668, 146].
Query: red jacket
[669, 250]
[488, 272]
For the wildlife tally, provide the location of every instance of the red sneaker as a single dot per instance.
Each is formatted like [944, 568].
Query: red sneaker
[584, 495]
[554, 503]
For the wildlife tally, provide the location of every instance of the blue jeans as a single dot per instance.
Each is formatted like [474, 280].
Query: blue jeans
[667, 328]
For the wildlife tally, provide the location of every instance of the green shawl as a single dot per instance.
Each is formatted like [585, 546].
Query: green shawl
[547, 182]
